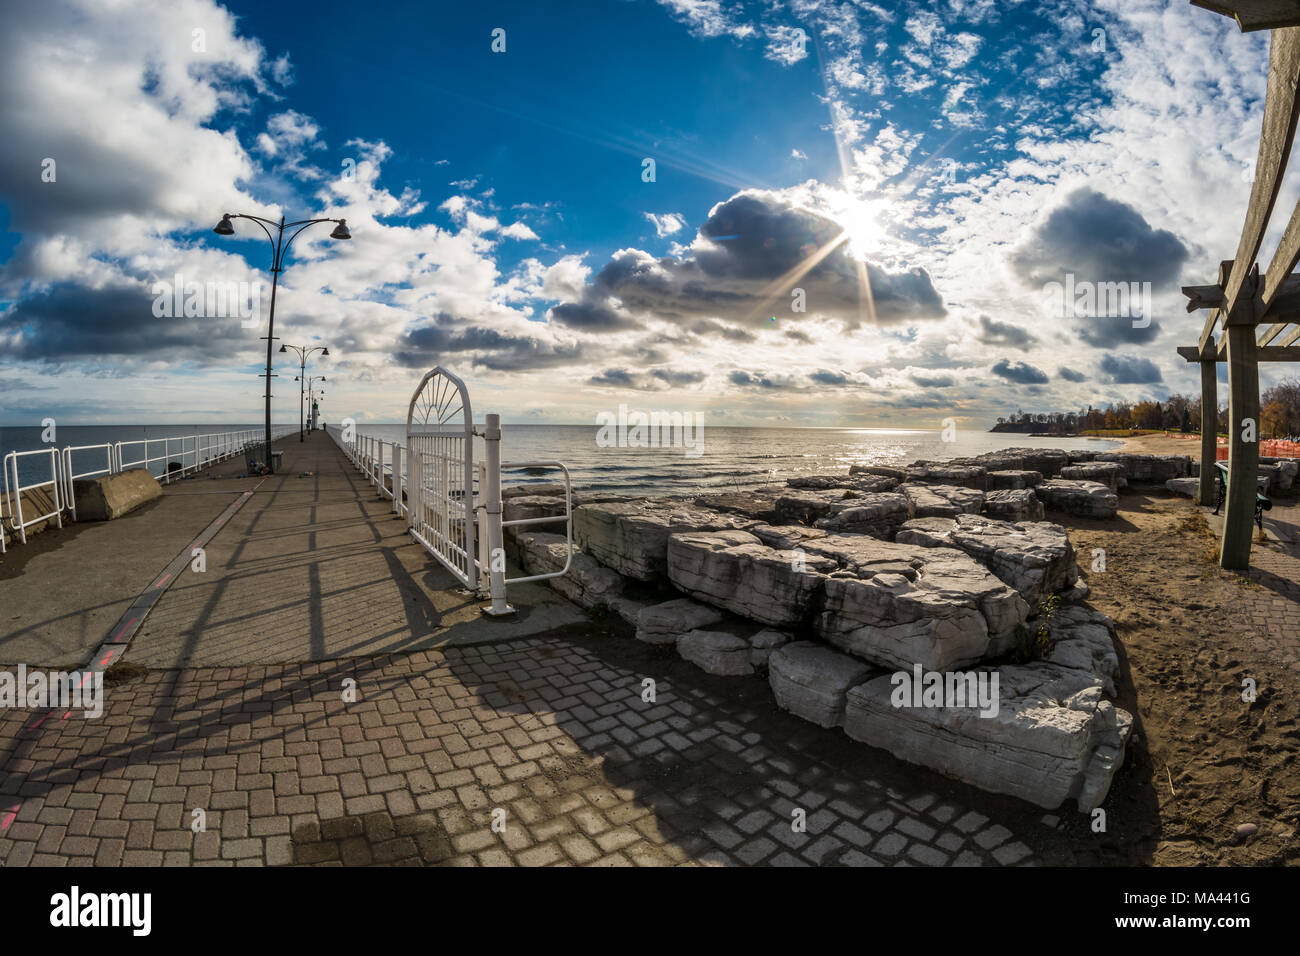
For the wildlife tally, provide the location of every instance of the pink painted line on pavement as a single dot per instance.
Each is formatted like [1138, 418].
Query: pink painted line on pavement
[9, 817]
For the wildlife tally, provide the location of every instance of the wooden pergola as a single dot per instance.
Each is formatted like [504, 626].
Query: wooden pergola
[1256, 317]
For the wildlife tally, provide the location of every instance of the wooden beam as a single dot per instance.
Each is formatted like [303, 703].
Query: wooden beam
[1281, 111]
[1243, 455]
[1270, 353]
[1203, 297]
[1255, 14]
[1209, 432]
[1293, 337]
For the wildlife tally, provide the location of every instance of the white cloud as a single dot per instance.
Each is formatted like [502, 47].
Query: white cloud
[668, 224]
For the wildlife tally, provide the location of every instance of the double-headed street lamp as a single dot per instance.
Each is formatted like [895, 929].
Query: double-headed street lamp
[303, 351]
[279, 246]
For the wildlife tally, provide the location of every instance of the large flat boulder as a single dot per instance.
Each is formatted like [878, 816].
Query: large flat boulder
[1082, 639]
[1109, 473]
[884, 471]
[735, 571]
[632, 536]
[1054, 737]
[759, 503]
[1034, 557]
[898, 604]
[942, 501]
[807, 505]
[945, 473]
[1013, 479]
[1091, 499]
[879, 515]
[111, 496]
[863, 483]
[665, 623]
[1191, 487]
[1149, 469]
[811, 681]
[1014, 504]
[716, 652]
[587, 583]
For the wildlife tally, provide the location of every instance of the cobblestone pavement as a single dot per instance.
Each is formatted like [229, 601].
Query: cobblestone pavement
[549, 730]
[1274, 614]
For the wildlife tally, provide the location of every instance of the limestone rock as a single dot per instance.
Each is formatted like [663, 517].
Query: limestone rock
[864, 484]
[586, 584]
[942, 501]
[716, 652]
[549, 489]
[1034, 557]
[786, 537]
[1019, 504]
[1108, 473]
[879, 515]
[1149, 469]
[1191, 487]
[898, 604]
[763, 644]
[811, 681]
[632, 536]
[734, 570]
[1053, 738]
[940, 473]
[665, 623]
[1013, 479]
[758, 503]
[805, 506]
[1090, 499]
[1083, 640]
[882, 470]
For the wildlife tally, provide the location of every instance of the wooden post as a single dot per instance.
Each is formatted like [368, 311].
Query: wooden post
[1209, 429]
[1243, 461]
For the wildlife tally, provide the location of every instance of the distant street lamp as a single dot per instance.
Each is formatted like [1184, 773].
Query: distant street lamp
[308, 382]
[303, 351]
[279, 247]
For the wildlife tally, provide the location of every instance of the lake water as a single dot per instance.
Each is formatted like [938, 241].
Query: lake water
[733, 457]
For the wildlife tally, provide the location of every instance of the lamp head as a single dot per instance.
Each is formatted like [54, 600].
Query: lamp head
[284, 348]
[341, 230]
[225, 227]
[324, 351]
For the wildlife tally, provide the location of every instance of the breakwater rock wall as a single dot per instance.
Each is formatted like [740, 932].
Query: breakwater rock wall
[851, 591]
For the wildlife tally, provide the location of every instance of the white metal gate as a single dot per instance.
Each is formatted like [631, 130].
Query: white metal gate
[446, 511]
[440, 471]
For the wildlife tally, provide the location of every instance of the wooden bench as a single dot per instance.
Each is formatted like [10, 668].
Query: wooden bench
[1262, 503]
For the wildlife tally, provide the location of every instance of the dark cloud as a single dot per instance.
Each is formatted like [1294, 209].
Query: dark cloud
[73, 322]
[1098, 239]
[1130, 370]
[795, 335]
[617, 377]
[1070, 375]
[749, 380]
[1109, 333]
[933, 381]
[825, 377]
[678, 378]
[421, 347]
[1004, 334]
[707, 327]
[1019, 372]
[758, 240]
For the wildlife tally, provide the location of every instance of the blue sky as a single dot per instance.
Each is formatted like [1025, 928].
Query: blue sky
[951, 157]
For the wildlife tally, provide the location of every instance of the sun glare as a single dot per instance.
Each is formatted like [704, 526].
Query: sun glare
[861, 220]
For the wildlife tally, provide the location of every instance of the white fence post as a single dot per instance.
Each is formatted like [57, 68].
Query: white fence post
[492, 513]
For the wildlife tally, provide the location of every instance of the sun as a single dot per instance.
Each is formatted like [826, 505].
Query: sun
[861, 220]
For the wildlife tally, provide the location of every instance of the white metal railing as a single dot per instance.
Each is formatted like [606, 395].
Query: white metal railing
[16, 520]
[191, 453]
[69, 476]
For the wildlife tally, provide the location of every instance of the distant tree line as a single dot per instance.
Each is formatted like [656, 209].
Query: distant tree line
[1279, 414]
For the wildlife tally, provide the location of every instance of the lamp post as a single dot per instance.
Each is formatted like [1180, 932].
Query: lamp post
[279, 247]
[303, 351]
[308, 382]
